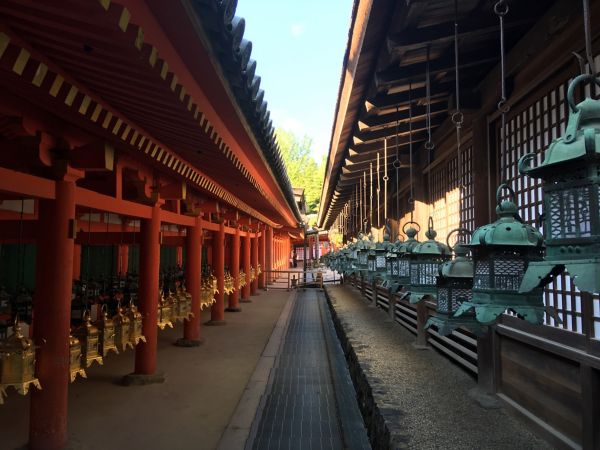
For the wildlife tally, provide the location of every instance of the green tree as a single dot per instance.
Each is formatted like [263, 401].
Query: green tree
[303, 170]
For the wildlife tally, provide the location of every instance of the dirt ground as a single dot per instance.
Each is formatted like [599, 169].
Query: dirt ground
[189, 411]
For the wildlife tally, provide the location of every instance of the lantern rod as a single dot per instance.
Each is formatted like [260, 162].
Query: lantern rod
[371, 193]
[588, 36]
[411, 200]
[378, 192]
[457, 117]
[365, 220]
[396, 164]
[429, 145]
[21, 262]
[385, 181]
[501, 9]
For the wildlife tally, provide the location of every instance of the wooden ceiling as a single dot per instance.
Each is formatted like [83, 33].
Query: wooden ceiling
[389, 69]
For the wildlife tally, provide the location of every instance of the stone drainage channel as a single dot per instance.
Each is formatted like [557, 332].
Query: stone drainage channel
[310, 401]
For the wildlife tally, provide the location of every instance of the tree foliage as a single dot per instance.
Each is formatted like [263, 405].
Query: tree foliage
[302, 168]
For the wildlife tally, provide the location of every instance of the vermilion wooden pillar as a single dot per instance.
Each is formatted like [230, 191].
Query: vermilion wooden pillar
[217, 312]
[123, 259]
[234, 297]
[48, 412]
[193, 282]
[77, 262]
[179, 256]
[145, 353]
[246, 262]
[261, 259]
[254, 252]
[269, 254]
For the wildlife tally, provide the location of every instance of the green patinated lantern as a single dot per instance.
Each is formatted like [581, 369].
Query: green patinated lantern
[571, 175]
[376, 258]
[391, 265]
[425, 260]
[502, 252]
[363, 246]
[404, 251]
[454, 287]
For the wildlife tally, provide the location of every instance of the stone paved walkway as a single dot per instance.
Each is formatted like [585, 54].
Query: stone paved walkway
[311, 403]
[420, 395]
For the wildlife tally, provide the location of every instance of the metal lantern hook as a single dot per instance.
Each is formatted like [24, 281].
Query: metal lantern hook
[459, 231]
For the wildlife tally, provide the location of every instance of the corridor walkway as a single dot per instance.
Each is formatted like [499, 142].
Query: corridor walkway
[310, 401]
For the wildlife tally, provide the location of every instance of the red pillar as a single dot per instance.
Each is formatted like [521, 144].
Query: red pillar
[77, 262]
[217, 312]
[193, 281]
[179, 256]
[123, 259]
[145, 353]
[48, 412]
[234, 297]
[261, 259]
[246, 260]
[254, 252]
[269, 254]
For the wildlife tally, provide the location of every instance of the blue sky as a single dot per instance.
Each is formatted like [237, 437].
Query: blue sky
[299, 47]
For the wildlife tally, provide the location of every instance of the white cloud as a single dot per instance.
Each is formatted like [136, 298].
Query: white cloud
[297, 29]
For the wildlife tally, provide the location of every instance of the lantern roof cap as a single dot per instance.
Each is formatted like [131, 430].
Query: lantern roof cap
[431, 246]
[459, 267]
[508, 230]
[16, 341]
[581, 138]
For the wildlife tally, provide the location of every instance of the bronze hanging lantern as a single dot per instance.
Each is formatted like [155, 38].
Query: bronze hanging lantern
[165, 312]
[454, 287]
[122, 329]
[425, 260]
[17, 363]
[106, 328]
[502, 252]
[404, 250]
[177, 307]
[89, 337]
[376, 258]
[362, 254]
[135, 324]
[571, 187]
[75, 359]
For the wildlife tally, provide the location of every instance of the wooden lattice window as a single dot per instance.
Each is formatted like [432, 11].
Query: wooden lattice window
[453, 207]
[532, 128]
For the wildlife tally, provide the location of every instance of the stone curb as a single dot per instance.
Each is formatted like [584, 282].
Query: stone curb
[380, 420]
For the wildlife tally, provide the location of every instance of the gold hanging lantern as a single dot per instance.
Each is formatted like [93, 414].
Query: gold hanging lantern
[207, 297]
[258, 270]
[229, 283]
[122, 329]
[17, 363]
[177, 306]
[106, 328]
[241, 280]
[135, 324]
[75, 359]
[185, 299]
[215, 285]
[252, 274]
[164, 312]
[88, 336]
